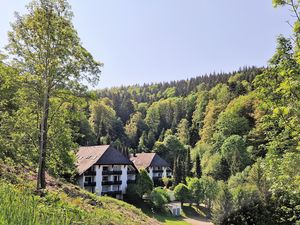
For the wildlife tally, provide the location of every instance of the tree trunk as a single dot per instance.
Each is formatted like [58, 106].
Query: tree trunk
[41, 179]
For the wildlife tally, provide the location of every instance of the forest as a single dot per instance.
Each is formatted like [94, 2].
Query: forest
[233, 139]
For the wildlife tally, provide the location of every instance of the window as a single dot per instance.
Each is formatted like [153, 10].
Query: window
[105, 168]
[105, 178]
[88, 179]
[116, 178]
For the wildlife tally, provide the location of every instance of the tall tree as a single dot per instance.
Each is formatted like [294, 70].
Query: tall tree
[183, 131]
[48, 52]
[198, 169]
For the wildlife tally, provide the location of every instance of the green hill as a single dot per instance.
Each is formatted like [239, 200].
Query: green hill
[62, 203]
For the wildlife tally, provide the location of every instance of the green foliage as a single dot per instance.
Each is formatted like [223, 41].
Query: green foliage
[196, 188]
[167, 181]
[144, 184]
[234, 151]
[223, 206]
[21, 207]
[134, 128]
[183, 132]
[159, 197]
[102, 118]
[210, 187]
[45, 48]
[182, 193]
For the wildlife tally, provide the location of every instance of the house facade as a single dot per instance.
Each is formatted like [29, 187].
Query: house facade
[156, 166]
[104, 170]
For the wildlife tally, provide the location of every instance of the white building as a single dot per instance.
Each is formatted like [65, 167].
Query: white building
[104, 170]
[156, 167]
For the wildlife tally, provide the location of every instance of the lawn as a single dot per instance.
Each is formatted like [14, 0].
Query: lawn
[170, 220]
[162, 217]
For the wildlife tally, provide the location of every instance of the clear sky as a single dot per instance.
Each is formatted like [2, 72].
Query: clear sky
[144, 41]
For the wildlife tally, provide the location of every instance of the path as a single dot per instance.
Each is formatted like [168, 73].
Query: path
[196, 221]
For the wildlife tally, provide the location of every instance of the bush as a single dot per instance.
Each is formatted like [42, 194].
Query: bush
[182, 193]
[144, 184]
[132, 194]
[159, 197]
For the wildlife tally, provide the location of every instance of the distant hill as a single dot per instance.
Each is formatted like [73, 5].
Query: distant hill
[155, 91]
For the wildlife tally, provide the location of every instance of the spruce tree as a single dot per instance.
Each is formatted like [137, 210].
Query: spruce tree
[198, 166]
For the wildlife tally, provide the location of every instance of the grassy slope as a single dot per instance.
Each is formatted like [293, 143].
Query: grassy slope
[63, 203]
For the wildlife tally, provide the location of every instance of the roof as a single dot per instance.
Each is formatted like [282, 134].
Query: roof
[144, 160]
[88, 156]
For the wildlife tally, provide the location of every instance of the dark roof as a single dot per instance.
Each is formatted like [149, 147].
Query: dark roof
[99, 155]
[144, 160]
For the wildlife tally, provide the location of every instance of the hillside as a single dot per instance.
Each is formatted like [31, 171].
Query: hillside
[230, 141]
[61, 203]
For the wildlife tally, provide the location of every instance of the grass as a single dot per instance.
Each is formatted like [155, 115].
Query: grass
[62, 204]
[20, 207]
[195, 211]
[170, 220]
[162, 216]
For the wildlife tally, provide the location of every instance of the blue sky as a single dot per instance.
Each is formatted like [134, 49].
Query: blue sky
[143, 41]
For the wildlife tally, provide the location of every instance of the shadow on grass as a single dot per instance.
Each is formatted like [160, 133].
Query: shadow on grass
[162, 216]
[168, 219]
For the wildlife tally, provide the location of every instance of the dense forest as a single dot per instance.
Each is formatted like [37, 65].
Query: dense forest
[233, 139]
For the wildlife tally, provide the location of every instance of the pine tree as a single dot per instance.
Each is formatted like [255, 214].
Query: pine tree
[188, 163]
[198, 167]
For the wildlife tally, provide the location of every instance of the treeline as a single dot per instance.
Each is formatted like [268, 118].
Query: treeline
[122, 97]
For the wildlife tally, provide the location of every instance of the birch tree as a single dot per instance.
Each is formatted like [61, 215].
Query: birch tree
[45, 47]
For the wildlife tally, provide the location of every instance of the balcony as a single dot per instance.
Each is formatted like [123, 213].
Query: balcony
[90, 173]
[130, 181]
[90, 184]
[113, 172]
[131, 172]
[158, 171]
[111, 193]
[116, 182]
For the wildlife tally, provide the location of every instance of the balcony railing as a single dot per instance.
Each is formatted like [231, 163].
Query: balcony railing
[130, 181]
[111, 172]
[90, 184]
[111, 192]
[113, 182]
[158, 171]
[90, 173]
[131, 172]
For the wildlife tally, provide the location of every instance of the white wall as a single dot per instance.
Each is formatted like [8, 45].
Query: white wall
[98, 188]
[124, 179]
[150, 172]
[164, 174]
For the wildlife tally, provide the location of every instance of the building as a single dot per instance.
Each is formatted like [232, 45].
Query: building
[156, 167]
[104, 170]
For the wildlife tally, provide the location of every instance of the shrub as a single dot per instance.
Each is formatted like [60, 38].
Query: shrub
[182, 193]
[159, 197]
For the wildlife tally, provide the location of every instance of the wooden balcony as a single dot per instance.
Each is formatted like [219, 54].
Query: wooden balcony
[89, 173]
[131, 181]
[111, 172]
[116, 182]
[111, 193]
[90, 184]
[131, 172]
[158, 171]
